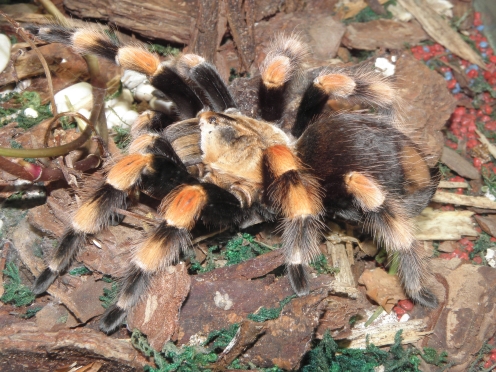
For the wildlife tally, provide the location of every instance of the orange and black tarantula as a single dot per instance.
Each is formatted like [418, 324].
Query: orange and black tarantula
[208, 162]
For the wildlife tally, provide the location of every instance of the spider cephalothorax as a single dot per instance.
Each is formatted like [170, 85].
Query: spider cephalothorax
[208, 162]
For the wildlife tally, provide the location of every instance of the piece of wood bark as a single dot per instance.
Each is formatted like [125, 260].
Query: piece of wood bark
[241, 23]
[340, 260]
[459, 164]
[470, 201]
[466, 321]
[413, 331]
[440, 30]
[23, 345]
[157, 315]
[205, 37]
[383, 33]
[487, 224]
[444, 225]
[428, 105]
[155, 19]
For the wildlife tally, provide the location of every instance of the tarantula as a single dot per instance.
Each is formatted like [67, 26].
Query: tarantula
[208, 162]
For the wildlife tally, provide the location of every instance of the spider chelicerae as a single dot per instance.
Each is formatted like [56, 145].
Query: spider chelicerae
[209, 163]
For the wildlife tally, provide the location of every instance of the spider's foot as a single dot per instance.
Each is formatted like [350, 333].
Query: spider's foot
[425, 298]
[112, 319]
[299, 279]
[44, 281]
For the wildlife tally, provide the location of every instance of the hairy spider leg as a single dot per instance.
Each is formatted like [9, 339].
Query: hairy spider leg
[297, 194]
[353, 85]
[203, 74]
[355, 157]
[155, 168]
[280, 67]
[163, 76]
[180, 210]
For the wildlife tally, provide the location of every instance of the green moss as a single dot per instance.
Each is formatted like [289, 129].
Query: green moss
[15, 293]
[122, 138]
[321, 265]
[479, 85]
[30, 312]
[164, 50]
[79, 271]
[267, 314]
[242, 248]
[221, 338]
[481, 246]
[109, 294]
[327, 356]
[367, 14]
[172, 358]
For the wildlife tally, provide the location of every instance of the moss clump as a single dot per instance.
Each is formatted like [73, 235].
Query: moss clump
[15, 293]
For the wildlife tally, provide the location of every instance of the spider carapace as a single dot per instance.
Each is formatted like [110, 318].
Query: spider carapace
[208, 162]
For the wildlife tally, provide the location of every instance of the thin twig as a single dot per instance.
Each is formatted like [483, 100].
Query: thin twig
[52, 151]
[137, 216]
[203, 237]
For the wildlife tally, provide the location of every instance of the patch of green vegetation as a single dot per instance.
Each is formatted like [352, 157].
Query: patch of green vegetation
[327, 356]
[30, 312]
[122, 138]
[367, 14]
[445, 171]
[196, 266]
[239, 249]
[28, 100]
[242, 248]
[451, 137]
[109, 294]
[480, 85]
[15, 293]
[221, 338]
[264, 314]
[480, 246]
[321, 265]
[171, 358]
[67, 123]
[79, 271]
[362, 55]
[476, 366]
[165, 51]
[489, 179]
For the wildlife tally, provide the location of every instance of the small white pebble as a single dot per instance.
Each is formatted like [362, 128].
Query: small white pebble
[97, 244]
[4, 51]
[22, 85]
[404, 318]
[491, 257]
[385, 66]
[490, 196]
[222, 301]
[63, 60]
[31, 113]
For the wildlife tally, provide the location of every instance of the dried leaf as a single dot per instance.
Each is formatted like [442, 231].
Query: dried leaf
[383, 288]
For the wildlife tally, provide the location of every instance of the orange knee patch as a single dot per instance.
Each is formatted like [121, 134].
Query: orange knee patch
[366, 191]
[126, 172]
[153, 254]
[281, 160]
[340, 85]
[86, 218]
[182, 208]
[138, 59]
[276, 72]
[300, 201]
